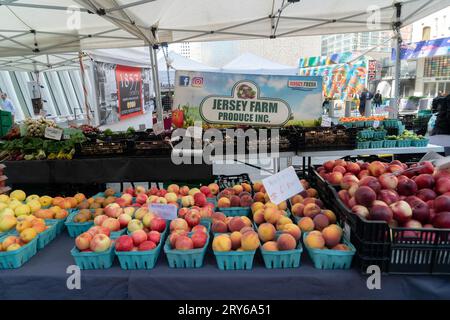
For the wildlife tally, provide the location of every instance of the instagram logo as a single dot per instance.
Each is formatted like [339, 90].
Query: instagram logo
[197, 82]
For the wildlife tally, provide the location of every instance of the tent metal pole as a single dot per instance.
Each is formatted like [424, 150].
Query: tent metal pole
[394, 103]
[156, 84]
[129, 5]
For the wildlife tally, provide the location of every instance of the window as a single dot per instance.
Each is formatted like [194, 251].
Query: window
[437, 67]
[426, 33]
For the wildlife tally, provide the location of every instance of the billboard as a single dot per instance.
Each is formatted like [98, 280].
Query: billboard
[218, 99]
[424, 49]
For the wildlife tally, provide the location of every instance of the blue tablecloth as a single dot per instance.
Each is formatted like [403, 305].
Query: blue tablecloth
[44, 277]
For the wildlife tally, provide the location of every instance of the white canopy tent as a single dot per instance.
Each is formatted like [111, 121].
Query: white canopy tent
[31, 27]
[253, 64]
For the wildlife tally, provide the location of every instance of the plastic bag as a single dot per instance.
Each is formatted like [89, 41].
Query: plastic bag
[431, 124]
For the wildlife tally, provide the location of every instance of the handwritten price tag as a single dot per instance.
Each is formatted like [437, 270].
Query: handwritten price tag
[165, 211]
[282, 185]
[376, 123]
[53, 133]
[326, 121]
[158, 128]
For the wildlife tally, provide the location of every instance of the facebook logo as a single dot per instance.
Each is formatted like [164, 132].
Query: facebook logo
[184, 81]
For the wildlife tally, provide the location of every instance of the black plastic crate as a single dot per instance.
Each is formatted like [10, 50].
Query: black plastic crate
[228, 181]
[322, 139]
[104, 148]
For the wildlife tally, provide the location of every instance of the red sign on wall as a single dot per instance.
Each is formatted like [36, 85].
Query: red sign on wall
[129, 91]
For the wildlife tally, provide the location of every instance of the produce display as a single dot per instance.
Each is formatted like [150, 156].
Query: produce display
[96, 239]
[237, 196]
[416, 196]
[244, 240]
[27, 229]
[223, 224]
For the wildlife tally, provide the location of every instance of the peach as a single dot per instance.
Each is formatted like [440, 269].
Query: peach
[222, 243]
[219, 226]
[388, 181]
[344, 196]
[297, 209]
[293, 230]
[266, 232]
[329, 165]
[218, 216]
[223, 203]
[332, 235]
[236, 224]
[271, 215]
[406, 187]
[286, 242]
[257, 186]
[238, 189]
[311, 209]
[247, 187]
[442, 184]
[256, 206]
[270, 246]
[312, 193]
[379, 212]
[335, 177]
[283, 221]
[330, 215]
[321, 221]
[315, 241]
[235, 201]
[259, 197]
[250, 241]
[270, 205]
[296, 199]
[247, 229]
[341, 247]
[306, 224]
[402, 211]
[353, 167]
[361, 211]
[247, 221]
[235, 238]
[348, 181]
[370, 182]
[258, 217]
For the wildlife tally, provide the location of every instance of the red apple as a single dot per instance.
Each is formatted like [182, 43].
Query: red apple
[442, 185]
[113, 210]
[402, 211]
[199, 227]
[193, 218]
[199, 239]
[158, 224]
[200, 199]
[154, 236]
[388, 196]
[441, 204]
[98, 220]
[184, 243]
[82, 242]
[124, 219]
[130, 191]
[406, 187]
[99, 230]
[388, 181]
[179, 224]
[146, 246]
[141, 198]
[383, 213]
[370, 182]
[365, 196]
[138, 237]
[124, 243]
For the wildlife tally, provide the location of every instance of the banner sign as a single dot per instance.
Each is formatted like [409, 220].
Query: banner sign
[424, 49]
[340, 81]
[122, 92]
[129, 88]
[244, 99]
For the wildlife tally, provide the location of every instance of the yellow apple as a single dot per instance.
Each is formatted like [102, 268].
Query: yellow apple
[45, 201]
[13, 247]
[34, 205]
[32, 197]
[6, 212]
[22, 209]
[28, 234]
[18, 195]
[4, 198]
[7, 223]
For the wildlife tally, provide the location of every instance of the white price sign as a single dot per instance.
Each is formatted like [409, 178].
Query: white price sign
[158, 127]
[53, 133]
[326, 121]
[282, 185]
[376, 123]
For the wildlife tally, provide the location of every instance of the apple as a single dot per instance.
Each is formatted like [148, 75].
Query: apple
[199, 239]
[124, 243]
[406, 187]
[182, 212]
[146, 246]
[363, 173]
[193, 218]
[98, 220]
[112, 224]
[138, 237]
[121, 202]
[349, 181]
[82, 242]
[442, 185]
[179, 224]
[184, 243]
[199, 227]
[402, 211]
[129, 211]
[426, 194]
[424, 181]
[128, 198]
[124, 219]
[370, 182]
[154, 236]
[141, 198]
[99, 230]
[158, 224]
[376, 168]
[388, 196]
[427, 168]
[365, 196]
[353, 167]
[171, 197]
[214, 188]
[388, 181]
[129, 191]
[147, 219]
[361, 211]
[340, 169]
[139, 190]
[378, 212]
[100, 243]
[135, 225]
[441, 204]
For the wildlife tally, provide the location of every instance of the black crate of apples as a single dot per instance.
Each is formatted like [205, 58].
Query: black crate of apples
[399, 214]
